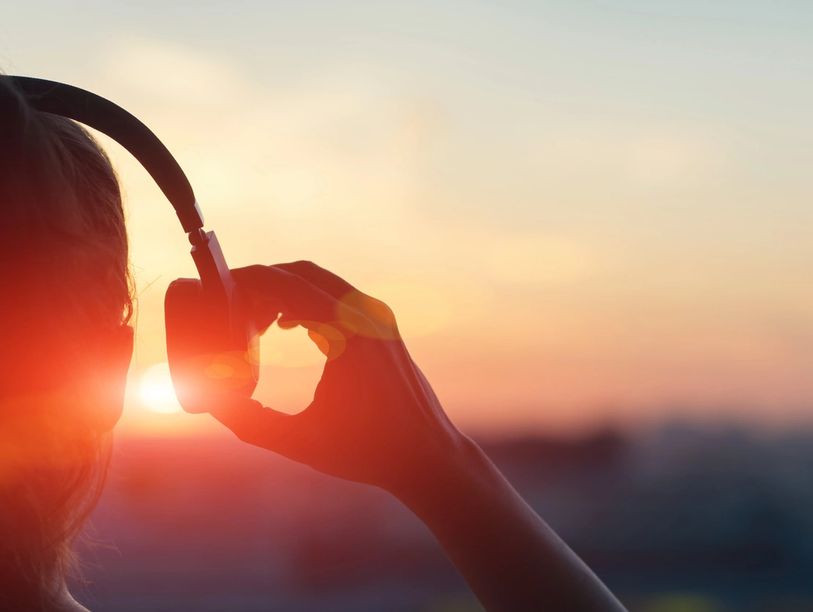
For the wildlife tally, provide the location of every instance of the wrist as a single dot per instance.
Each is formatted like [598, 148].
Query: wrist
[459, 465]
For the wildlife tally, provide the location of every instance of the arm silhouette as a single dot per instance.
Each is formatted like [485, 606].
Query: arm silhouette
[375, 419]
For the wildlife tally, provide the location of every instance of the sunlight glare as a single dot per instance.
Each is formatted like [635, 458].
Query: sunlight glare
[155, 390]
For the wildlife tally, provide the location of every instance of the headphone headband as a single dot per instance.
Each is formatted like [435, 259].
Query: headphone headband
[110, 119]
[207, 323]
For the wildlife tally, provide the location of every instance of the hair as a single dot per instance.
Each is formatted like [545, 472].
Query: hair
[65, 288]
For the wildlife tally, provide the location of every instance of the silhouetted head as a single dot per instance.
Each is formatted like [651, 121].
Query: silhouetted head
[64, 341]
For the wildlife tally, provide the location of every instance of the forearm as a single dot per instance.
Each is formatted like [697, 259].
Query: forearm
[509, 556]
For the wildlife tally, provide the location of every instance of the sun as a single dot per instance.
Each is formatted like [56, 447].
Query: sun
[156, 391]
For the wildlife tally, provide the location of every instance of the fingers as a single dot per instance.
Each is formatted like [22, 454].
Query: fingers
[296, 297]
[265, 312]
[310, 295]
[324, 279]
[328, 339]
[260, 426]
[350, 298]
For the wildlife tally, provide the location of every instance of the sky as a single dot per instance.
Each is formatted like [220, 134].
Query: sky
[583, 213]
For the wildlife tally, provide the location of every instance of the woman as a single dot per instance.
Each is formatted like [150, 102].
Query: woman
[66, 347]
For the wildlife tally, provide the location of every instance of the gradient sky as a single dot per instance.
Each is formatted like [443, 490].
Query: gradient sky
[582, 212]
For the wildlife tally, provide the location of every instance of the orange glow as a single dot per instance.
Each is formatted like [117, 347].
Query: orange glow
[156, 392]
[591, 267]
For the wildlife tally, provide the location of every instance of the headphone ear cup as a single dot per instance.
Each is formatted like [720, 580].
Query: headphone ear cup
[208, 361]
[187, 325]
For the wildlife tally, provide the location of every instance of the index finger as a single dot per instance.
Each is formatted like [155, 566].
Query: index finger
[297, 298]
[325, 280]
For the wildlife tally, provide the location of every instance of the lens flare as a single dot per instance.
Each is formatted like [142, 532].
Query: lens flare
[156, 392]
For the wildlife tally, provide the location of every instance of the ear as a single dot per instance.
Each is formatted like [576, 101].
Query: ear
[113, 377]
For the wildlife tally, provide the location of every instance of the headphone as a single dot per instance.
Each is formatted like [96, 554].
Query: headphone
[212, 342]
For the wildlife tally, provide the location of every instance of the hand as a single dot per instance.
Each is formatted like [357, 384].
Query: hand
[374, 418]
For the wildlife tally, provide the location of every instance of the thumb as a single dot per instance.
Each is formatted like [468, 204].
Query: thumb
[254, 424]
